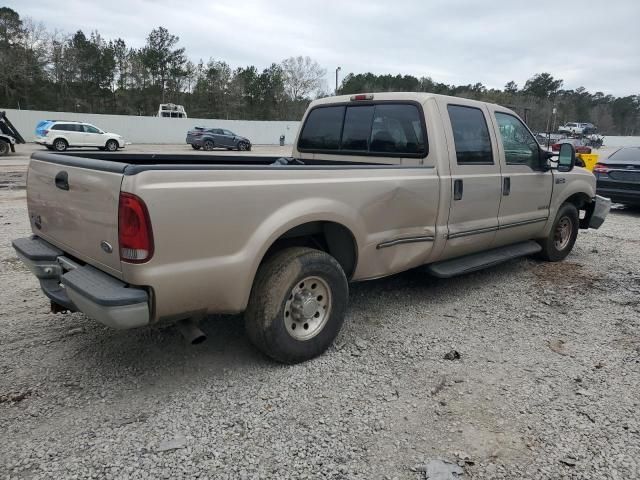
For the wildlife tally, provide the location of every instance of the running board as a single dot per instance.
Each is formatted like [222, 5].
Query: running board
[478, 261]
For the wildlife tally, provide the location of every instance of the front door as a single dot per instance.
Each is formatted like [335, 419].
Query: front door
[92, 136]
[526, 183]
[475, 178]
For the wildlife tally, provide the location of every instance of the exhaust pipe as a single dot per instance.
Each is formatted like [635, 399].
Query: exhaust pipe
[190, 331]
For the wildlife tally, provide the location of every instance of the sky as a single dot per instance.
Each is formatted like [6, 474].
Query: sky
[584, 42]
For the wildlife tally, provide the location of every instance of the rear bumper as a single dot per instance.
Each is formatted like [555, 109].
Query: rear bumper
[84, 288]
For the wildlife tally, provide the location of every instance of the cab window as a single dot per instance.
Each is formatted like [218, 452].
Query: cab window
[470, 135]
[520, 148]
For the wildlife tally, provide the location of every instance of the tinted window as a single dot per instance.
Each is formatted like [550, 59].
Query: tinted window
[357, 126]
[91, 129]
[227, 132]
[59, 127]
[322, 129]
[471, 136]
[397, 129]
[75, 128]
[520, 148]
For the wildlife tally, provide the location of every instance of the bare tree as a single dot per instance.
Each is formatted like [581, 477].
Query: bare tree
[303, 77]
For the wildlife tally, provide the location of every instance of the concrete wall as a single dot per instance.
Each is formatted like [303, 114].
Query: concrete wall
[154, 129]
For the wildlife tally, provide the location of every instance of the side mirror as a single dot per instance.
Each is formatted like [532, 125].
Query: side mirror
[566, 157]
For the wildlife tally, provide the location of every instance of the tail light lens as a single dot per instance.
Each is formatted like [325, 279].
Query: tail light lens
[134, 229]
[601, 168]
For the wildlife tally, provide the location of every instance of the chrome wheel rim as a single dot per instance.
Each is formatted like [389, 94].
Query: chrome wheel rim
[111, 146]
[307, 308]
[60, 145]
[563, 233]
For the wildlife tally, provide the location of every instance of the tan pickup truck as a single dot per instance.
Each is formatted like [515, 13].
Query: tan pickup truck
[378, 183]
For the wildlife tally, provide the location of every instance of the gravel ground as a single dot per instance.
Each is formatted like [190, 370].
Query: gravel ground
[546, 387]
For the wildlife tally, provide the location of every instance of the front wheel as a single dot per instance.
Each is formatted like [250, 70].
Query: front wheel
[195, 147]
[563, 234]
[111, 146]
[297, 304]
[243, 146]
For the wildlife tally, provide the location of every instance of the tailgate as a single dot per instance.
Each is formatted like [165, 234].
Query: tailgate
[76, 209]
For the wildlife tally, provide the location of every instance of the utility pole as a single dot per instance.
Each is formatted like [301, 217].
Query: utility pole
[337, 70]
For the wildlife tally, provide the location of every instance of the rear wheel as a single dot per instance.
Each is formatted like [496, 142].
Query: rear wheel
[4, 148]
[563, 234]
[195, 147]
[60, 145]
[208, 145]
[297, 304]
[111, 145]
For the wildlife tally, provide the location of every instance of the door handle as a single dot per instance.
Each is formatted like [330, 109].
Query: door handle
[62, 180]
[506, 186]
[457, 189]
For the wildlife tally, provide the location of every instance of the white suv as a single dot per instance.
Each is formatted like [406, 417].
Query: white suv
[59, 135]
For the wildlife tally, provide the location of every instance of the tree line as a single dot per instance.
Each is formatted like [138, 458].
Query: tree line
[44, 70]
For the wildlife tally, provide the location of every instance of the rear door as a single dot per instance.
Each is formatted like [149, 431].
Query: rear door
[526, 184]
[475, 178]
[76, 209]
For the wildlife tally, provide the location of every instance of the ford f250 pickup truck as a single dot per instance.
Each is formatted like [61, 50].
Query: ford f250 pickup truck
[377, 184]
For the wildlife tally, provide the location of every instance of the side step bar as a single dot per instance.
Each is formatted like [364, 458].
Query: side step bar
[478, 261]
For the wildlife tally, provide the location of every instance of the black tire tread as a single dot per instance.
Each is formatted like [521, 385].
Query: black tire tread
[549, 252]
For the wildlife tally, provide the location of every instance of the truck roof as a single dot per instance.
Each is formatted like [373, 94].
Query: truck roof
[402, 96]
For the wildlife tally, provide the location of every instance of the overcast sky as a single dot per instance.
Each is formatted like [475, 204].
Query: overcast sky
[452, 41]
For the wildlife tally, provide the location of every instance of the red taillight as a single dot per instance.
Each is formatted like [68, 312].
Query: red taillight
[367, 96]
[46, 132]
[601, 168]
[134, 230]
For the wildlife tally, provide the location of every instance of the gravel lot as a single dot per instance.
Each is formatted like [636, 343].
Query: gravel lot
[546, 387]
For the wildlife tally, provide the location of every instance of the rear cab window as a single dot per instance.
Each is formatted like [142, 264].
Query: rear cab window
[394, 129]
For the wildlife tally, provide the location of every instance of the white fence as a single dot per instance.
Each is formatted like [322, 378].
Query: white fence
[154, 129]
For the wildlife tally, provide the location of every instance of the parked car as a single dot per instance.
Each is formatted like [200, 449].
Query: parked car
[576, 128]
[59, 135]
[210, 138]
[9, 135]
[578, 145]
[618, 176]
[378, 184]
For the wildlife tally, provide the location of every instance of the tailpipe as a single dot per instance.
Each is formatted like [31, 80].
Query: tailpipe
[190, 331]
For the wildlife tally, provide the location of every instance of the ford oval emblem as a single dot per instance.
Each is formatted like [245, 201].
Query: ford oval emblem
[106, 246]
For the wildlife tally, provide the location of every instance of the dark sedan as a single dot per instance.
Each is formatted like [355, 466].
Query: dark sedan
[210, 138]
[619, 176]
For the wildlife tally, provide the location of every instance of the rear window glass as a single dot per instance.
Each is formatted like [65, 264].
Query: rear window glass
[470, 135]
[381, 129]
[357, 126]
[629, 154]
[322, 129]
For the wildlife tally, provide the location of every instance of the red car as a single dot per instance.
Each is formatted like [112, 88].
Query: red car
[577, 144]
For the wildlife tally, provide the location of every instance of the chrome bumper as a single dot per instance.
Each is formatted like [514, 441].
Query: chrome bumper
[600, 211]
[83, 288]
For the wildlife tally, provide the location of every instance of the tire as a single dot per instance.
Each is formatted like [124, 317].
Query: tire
[243, 146]
[563, 234]
[291, 333]
[208, 145]
[195, 147]
[111, 146]
[60, 145]
[5, 148]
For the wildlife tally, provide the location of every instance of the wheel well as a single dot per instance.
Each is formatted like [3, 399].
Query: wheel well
[331, 237]
[580, 200]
